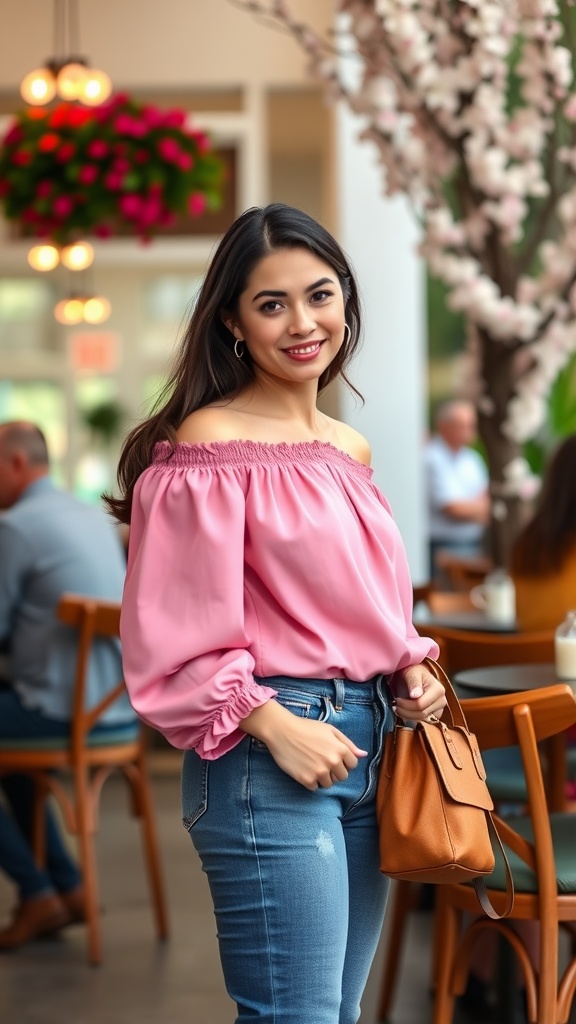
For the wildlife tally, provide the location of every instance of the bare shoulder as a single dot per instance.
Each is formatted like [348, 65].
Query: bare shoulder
[353, 442]
[212, 423]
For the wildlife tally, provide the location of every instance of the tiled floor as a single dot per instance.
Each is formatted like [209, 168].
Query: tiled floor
[141, 981]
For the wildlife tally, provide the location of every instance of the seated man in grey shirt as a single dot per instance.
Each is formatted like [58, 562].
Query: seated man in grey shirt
[50, 543]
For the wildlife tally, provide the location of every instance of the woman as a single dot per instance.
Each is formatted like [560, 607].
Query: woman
[543, 561]
[267, 607]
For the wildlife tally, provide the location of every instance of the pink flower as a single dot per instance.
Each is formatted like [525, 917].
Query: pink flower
[97, 149]
[121, 166]
[169, 150]
[62, 206]
[142, 156]
[174, 118]
[113, 181]
[152, 117]
[44, 189]
[130, 205]
[103, 231]
[185, 161]
[88, 174]
[196, 204]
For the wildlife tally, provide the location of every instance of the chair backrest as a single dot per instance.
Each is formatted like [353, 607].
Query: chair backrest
[462, 649]
[420, 592]
[523, 719]
[92, 618]
[463, 573]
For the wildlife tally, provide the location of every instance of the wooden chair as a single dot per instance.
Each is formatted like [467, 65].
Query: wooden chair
[541, 852]
[462, 649]
[459, 650]
[90, 758]
[462, 573]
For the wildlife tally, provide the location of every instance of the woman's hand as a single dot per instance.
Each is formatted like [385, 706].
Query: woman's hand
[313, 753]
[419, 694]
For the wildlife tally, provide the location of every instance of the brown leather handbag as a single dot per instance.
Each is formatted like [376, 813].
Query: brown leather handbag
[433, 805]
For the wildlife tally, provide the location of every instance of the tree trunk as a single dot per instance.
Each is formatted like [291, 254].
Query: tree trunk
[498, 374]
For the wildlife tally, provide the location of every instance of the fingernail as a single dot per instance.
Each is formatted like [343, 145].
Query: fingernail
[416, 692]
[364, 753]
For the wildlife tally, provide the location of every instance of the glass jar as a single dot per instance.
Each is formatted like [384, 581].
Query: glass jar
[565, 648]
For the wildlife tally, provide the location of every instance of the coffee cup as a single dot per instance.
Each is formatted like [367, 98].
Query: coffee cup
[496, 597]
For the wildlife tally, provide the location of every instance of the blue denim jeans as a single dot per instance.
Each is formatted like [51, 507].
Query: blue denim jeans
[298, 895]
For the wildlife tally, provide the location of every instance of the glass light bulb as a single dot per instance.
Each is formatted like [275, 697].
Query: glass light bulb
[69, 311]
[96, 88]
[43, 257]
[38, 87]
[77, 256]
[96, 310]
[70, 81]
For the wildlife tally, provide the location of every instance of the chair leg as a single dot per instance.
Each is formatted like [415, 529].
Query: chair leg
[85, 832]
[143, 801]
[402, 903]
[446, 924]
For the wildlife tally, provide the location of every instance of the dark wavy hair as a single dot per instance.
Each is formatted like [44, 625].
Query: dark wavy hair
[543, 544]
[205, 368]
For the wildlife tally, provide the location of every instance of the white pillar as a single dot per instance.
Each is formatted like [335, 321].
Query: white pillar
[380, 237]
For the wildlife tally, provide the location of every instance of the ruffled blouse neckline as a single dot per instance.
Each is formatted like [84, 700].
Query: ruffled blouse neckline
[243, 452]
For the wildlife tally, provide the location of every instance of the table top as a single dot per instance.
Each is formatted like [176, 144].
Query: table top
[509, 678]
[475, 620]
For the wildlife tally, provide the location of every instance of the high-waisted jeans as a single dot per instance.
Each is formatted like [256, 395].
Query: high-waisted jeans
[298, 895]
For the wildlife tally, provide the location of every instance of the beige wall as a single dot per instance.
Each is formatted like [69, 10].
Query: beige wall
[159, 43]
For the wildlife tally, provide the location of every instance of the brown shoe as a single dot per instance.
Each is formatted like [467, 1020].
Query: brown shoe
[33, 918]
[75, 902]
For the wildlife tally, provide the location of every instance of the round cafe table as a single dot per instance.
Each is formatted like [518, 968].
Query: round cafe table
[507, 678]
[496, 679]
[472, 619]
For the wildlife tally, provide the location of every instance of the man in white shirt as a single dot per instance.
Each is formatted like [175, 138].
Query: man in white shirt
[456, 483]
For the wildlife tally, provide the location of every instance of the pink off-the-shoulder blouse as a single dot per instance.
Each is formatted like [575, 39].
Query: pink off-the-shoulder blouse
[251, 559]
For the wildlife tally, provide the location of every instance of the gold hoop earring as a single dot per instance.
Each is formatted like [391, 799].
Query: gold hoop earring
[239, 341]
[347, 328]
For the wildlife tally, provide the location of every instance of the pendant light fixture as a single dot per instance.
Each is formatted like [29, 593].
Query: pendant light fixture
[66, 74]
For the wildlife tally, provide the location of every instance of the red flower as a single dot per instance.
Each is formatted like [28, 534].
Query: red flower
[175, 119]
[14, 135]
[196, 204]
[44, 189]
[36, 113]
[131, 205]
[142, 156]
[103, 231]
[185, 161]
[169, 149]
[62, 206]
[21, 157]
[66, 152]
[113, 181]
[59, 117]
[48, 142]
[97, 149]
[88, 174]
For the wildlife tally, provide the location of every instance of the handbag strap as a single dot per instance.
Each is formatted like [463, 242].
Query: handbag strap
[458, 718]
[480, 883]
[454, 706]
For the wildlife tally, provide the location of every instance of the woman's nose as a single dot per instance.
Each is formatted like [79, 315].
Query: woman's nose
[302, 321]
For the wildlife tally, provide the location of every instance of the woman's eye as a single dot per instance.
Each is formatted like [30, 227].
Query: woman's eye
[321, 296]
[271, 306]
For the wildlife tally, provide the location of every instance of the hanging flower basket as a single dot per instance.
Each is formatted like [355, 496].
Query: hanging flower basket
[68, 171]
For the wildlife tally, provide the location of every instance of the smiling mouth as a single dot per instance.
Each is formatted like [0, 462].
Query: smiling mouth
[304, 350]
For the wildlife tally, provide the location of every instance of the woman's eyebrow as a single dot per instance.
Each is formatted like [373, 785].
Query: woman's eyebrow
[282, 295]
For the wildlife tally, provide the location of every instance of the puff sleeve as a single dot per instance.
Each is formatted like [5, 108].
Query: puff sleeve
[187, 664]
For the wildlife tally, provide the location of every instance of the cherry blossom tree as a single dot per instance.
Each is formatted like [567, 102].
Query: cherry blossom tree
[472, 110]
